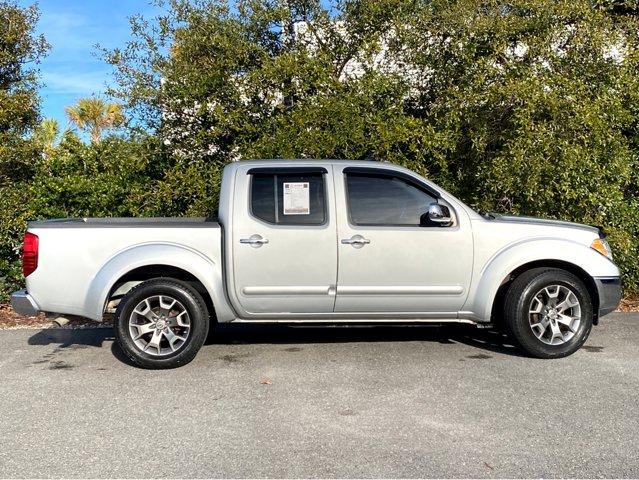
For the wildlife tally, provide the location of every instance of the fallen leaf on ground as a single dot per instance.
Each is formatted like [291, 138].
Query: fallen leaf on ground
[265, 381]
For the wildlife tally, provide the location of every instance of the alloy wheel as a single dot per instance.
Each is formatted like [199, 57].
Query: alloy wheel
[555, 314]
[159, 325]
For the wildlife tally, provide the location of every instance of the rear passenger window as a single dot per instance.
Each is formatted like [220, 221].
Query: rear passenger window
[288, 199]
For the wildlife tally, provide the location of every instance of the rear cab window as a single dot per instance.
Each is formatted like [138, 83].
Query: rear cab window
[287, 197]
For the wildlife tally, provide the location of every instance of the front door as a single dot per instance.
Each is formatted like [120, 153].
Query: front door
[283, 246]
[387, 261]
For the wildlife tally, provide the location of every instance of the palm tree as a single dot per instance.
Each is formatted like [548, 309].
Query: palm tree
[94, 115]
[46, 134]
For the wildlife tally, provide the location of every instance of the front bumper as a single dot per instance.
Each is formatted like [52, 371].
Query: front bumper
[609, 290]
[24, 304]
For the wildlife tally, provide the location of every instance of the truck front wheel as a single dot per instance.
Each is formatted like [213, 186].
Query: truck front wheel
[548, 312]
[161, 323]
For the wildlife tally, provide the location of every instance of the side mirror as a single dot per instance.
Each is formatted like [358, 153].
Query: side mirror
[437, 215]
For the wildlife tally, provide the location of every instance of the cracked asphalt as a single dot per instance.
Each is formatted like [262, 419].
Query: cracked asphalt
[276, 401]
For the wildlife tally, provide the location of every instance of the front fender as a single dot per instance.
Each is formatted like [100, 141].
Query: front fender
[208, 272]
[490, 276]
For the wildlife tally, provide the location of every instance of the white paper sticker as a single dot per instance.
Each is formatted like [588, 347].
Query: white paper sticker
[296, 198]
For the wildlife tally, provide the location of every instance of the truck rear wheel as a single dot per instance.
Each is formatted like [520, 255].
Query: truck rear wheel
[548, 312]
[161, 323]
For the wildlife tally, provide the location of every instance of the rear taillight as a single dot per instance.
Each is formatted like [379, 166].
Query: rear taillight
[29, 254]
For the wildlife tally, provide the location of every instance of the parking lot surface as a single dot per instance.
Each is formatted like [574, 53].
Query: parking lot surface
[275, 401]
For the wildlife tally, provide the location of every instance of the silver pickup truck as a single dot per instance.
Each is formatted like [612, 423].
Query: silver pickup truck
[322, 241]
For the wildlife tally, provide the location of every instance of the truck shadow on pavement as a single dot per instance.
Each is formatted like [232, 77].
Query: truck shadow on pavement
[484, 339]
[246, 334]
[77, 339]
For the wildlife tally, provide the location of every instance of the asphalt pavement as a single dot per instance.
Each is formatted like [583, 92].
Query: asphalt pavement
[276, 401]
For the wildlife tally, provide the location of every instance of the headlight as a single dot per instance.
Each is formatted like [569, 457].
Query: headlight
[602, 247]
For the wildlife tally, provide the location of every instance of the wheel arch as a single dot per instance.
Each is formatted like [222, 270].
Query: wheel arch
[126, 282]
[576, 270]
[144, 262]
[491, 282]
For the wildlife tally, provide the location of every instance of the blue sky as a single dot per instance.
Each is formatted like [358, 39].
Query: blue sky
[73, 27]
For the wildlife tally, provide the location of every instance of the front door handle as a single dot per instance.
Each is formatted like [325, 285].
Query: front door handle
[356, 241]
[254, 241]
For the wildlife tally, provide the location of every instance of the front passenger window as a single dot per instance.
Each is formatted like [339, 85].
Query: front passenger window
[382, 200]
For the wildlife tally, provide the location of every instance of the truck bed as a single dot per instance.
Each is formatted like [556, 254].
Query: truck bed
[77, 255]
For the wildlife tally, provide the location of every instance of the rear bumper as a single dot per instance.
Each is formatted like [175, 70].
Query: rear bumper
[609, 290]
[24, 304]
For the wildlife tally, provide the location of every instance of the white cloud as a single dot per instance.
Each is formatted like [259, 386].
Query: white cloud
[62, 20]
[67, 31]
[80, 83]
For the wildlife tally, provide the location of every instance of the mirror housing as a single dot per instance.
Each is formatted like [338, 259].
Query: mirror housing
[437, 215]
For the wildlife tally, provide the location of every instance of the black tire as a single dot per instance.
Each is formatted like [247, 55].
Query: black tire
[519, 300]
[192, 302]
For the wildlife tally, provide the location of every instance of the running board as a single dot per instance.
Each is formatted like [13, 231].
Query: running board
[346, 321]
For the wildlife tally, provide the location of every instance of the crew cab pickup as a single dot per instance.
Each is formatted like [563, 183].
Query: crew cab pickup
[321, 241]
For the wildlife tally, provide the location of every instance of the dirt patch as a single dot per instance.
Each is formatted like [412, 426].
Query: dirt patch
[234, 357]
[630, 304]
[592, 348]
[347, 412]
[10, 320]
[480, 356]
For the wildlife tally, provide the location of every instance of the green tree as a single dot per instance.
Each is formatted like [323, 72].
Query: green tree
[94, 116]
[20, 50]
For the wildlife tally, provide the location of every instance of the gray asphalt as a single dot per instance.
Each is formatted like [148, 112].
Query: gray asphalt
[268, 401]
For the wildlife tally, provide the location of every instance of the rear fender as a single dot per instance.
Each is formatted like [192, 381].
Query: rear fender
[203, 268]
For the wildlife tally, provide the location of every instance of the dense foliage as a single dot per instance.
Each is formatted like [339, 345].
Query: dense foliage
[20, 50]
[527, 106]
[109, 178]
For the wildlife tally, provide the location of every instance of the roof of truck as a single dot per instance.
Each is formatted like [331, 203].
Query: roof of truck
[286, 162]
[312, 160]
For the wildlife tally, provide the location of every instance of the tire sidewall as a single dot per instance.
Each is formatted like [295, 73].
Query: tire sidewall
[522, 330]
[192, 302]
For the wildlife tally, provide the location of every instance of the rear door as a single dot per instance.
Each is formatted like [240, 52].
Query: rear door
[284, 240]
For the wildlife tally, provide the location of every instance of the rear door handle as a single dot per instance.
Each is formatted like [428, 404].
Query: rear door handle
[356, 241]
[254, 241]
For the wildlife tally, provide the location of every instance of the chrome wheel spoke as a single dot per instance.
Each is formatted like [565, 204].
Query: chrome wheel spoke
[143, 329]
[172, 338]
[166, 304]
[537, 305]
[144, 309]
[155, 340]
[555, 333]
[567, 321]
[552, 291]
[569, 302]
[540, 326]
[179, 320]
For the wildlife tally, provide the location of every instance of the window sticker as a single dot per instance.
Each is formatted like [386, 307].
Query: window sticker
[296, 198]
